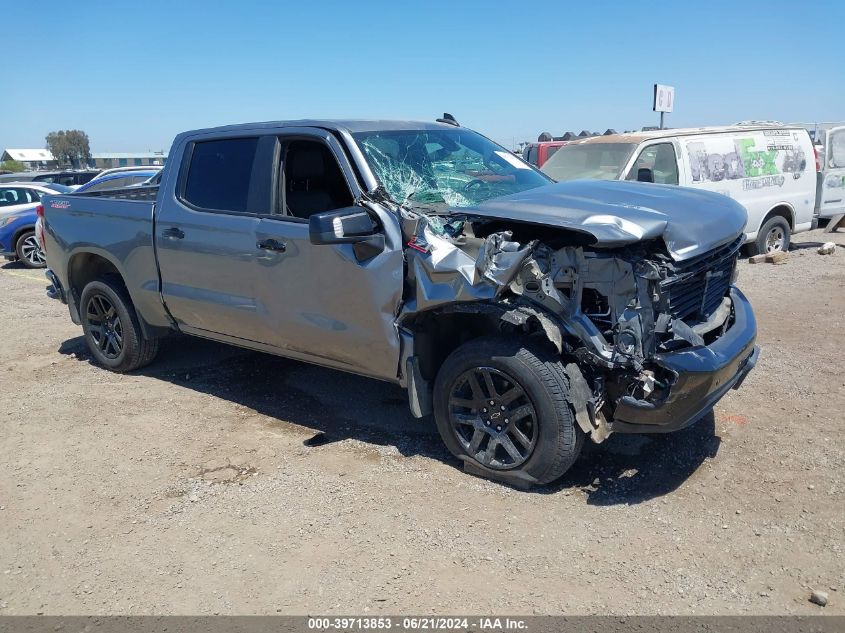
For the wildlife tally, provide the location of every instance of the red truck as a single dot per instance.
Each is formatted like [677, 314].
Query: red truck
[539, 153]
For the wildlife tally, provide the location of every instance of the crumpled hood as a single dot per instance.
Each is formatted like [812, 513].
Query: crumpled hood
[617, 213]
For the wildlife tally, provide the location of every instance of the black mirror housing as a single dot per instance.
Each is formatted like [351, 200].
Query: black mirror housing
[341, 226]
[644, 174]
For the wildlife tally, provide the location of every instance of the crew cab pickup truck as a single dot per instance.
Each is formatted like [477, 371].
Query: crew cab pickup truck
[525, 315]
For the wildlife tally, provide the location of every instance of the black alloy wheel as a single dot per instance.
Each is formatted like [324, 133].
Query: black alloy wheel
[493, 418]
[105, 325]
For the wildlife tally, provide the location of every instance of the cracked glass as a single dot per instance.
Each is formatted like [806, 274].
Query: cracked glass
[450, 168]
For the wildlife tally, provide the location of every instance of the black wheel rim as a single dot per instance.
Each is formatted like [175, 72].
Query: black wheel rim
[493, 418]
[104, 325]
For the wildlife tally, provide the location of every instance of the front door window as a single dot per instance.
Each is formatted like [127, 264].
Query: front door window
[661, 160]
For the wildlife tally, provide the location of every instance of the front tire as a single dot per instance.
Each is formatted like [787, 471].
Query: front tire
[773, 236]
[504, 404]
[29, 251]
[111, 327]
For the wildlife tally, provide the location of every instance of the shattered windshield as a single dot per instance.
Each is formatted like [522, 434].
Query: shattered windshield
[601, 161]
[456, 168]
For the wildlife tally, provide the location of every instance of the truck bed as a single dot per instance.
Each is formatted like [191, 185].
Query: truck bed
[114, 225]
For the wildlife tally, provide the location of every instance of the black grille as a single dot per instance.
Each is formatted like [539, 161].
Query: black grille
[697, 286]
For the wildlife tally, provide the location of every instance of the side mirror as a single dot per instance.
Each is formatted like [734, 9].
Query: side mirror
[644, 174]
[341, 226]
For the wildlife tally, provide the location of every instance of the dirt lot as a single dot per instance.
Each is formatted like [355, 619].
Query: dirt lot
[190, 486]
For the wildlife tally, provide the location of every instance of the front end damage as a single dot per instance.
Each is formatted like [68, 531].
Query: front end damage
[649, 342]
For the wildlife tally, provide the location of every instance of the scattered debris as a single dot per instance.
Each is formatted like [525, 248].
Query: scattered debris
[828, 248]
[778, 257]
[819, 598]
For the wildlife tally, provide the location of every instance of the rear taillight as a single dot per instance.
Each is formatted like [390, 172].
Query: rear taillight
[818, 162]
[39, 227]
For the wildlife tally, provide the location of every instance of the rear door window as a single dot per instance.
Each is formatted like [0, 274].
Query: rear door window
[219, 174]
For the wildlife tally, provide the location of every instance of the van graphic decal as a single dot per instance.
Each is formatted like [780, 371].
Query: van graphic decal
[757, 158]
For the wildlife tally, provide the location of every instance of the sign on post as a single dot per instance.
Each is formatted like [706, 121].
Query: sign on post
[664, 98]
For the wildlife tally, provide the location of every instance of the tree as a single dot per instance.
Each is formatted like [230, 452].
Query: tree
[12, 165]
[69, 146]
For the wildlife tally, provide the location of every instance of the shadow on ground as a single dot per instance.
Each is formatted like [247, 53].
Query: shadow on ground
[5, 264]
[800, 246]
[625, 469]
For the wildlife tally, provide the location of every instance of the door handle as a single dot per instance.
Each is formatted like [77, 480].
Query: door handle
[173, 233]
[272, 245]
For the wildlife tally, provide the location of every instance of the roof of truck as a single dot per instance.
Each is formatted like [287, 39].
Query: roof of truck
[349, 125]
[639, 137]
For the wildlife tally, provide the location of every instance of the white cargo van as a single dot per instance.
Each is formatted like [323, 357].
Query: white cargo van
[769, 169]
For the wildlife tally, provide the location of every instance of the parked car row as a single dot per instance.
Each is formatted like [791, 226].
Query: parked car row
[18, 204]
[73, 177]
[68, 178]
[20, 239]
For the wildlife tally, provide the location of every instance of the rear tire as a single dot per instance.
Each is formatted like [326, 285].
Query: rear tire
[529, 430]
[111, 327]
[773, 236]
[29, 251]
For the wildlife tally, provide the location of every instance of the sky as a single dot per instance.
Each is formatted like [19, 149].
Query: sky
[133, 75]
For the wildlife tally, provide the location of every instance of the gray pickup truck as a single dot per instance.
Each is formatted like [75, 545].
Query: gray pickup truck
[525, 315]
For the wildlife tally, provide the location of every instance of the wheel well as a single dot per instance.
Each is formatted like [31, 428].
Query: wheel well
[783, 211]
[19, 233]
[438, 333]
[86, 267]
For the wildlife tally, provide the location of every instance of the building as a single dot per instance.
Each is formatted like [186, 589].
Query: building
[32, 158]
[41, 159]
[107, 160]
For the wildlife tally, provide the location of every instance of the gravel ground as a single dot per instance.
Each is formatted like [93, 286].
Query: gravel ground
[195, 486]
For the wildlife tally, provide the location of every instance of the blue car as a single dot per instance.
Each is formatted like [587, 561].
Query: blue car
[18, 202]
[117, 180]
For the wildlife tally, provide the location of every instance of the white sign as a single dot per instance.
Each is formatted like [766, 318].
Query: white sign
[664, 98]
